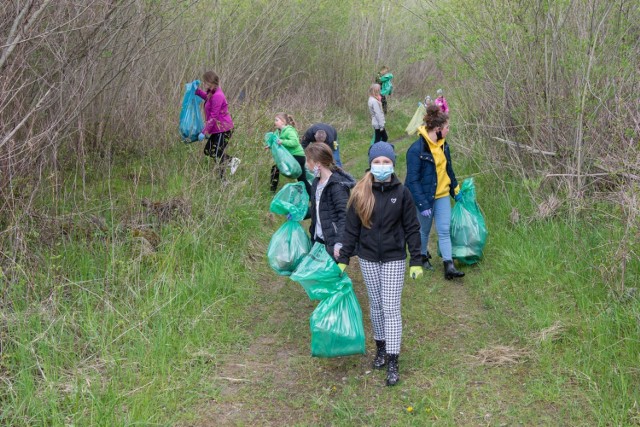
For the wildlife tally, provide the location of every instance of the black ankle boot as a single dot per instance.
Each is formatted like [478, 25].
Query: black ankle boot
[426, 264]
[381, 355]
[450, 271]
[393, 374]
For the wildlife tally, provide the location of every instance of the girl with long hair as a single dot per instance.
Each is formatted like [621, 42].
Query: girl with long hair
[382, 224]
[330, 192]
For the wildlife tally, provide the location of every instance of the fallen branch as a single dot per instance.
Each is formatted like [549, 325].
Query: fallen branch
[525, 147]
[234, 380]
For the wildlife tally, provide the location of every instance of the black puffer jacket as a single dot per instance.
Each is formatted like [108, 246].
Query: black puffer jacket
[333, 207]
[394, 227]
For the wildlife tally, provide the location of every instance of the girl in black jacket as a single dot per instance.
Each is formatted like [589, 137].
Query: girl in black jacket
[381, 218]
[329, 195]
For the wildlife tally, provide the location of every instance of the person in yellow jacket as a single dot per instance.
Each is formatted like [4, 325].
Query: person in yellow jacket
[288, 138]
[431, 180]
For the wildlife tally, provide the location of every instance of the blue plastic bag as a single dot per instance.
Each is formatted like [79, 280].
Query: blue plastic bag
[191, 122]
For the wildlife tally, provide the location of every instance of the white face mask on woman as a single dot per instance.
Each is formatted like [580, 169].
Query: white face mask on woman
[381, 172]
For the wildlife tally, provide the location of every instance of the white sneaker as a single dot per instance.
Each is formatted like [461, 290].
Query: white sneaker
[235, 162]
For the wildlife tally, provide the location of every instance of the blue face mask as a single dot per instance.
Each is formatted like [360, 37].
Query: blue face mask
[381, 172]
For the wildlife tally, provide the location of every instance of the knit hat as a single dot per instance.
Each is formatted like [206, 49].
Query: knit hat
[382, 149]
[439, 92]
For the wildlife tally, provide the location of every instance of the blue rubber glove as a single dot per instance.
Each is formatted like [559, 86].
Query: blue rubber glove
[201, 136]
[415, 272]
[342, 266]
[196, 82]
[458, 197]
[426, 212]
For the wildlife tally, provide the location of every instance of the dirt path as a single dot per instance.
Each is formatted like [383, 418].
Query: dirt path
[451, 372]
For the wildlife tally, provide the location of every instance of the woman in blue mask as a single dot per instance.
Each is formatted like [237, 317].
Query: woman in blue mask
[431, 180]
[381, 223]
[329, 195]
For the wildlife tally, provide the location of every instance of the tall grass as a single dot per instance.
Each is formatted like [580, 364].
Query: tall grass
[129, 320]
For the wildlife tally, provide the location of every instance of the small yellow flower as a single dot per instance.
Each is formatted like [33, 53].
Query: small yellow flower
[428, 410]
[410, 409]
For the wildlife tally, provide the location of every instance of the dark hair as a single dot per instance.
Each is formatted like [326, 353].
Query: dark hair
[287, 118]
[435, 117]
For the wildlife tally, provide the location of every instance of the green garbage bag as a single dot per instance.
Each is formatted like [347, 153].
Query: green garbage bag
[288, 246]
[417, 120]
[310, 175]
[291, 199]
[318, 273]
[285, 162]
[336, 324]
[468, 229]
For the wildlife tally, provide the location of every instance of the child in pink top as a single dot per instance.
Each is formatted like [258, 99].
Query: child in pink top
[218, 126]
[442, 102]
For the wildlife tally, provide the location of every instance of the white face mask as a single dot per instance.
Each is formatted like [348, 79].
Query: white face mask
[316, 171]
[381, 172]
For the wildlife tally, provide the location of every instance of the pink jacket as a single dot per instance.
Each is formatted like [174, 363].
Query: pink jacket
[442, 103]
[216, 111]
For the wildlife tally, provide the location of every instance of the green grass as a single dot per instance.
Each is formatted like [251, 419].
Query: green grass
[99, 329]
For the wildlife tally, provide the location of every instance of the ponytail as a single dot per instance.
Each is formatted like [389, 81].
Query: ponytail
[287, 118]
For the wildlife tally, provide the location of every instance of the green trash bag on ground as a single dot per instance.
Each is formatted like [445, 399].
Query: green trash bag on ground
[291, 199]
[318, 273]
[336, 324]
[288, 246]
[417, 120]
[286, 163]
[468, 229]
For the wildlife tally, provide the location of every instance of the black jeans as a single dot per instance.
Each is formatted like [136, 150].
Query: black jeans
[380, 135]
[216, 144]
[275, 175]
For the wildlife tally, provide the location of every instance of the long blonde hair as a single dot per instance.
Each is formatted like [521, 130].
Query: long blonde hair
[362, 199]
[374, 90]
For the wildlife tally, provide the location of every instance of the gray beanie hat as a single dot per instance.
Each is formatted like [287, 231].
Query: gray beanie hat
[382, 149]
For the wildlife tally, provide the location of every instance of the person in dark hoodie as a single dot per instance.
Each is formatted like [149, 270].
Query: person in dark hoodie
[329, 195]
[322, 132]
[381, 219]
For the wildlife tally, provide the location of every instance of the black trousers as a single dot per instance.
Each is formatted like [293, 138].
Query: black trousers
[275, 175]
[384, 103]
[216, 144]
[380, 135]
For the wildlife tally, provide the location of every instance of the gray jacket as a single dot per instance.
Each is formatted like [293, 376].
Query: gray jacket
[377, 116]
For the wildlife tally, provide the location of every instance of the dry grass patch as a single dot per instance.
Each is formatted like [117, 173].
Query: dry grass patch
[501, 355]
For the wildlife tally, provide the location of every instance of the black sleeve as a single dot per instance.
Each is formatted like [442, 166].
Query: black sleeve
[339, 199]
[411, 228]
[308, 137]
[350, 236]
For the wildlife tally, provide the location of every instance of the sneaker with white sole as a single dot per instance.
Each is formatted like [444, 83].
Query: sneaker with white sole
[235, 162]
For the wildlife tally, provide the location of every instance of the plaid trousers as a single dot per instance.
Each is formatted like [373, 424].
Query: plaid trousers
[384, 281]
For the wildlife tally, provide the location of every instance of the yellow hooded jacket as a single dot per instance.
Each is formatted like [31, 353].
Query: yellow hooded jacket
[444, 182]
